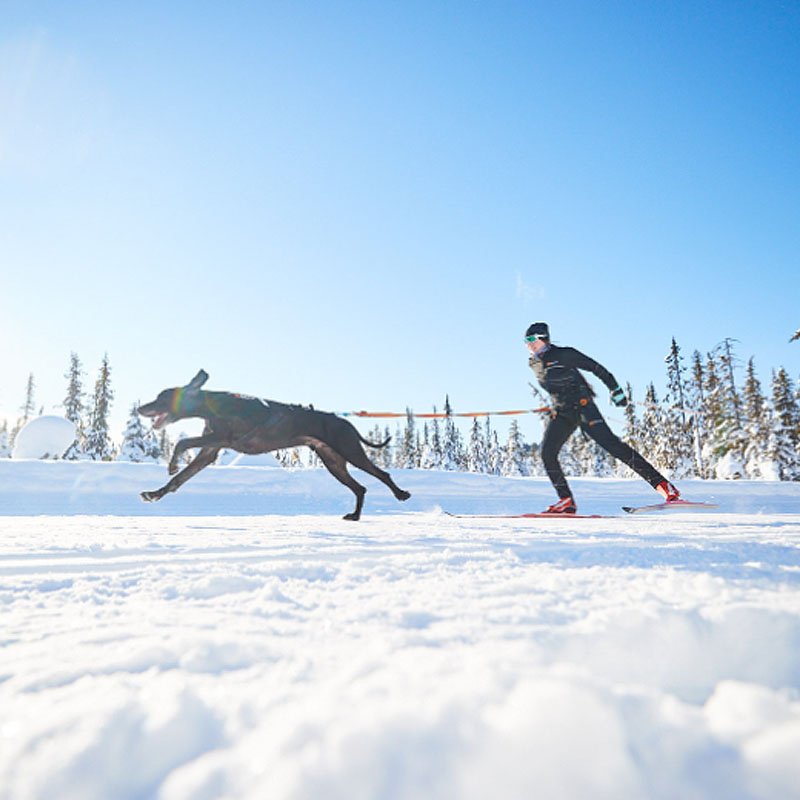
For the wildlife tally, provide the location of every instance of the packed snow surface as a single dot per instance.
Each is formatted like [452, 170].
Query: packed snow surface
[240, 640]
[44, 437]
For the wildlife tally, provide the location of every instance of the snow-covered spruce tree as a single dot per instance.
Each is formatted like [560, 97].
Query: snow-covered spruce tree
[695, 398]
[436, 443]
[784, 438]
[98, 445]
[652, 427]
[678, 439]
[431, 454]
[387, 457]
[722, 400]
[452, 445]
[138, 442]
[476, 450]
[716, 421]
[514, 456]
[493, 457]
[408, 450]
[495, 460]
[74, 406]
[28, 408]
[757, 462]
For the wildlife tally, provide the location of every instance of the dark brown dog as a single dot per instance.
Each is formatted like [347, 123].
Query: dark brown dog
[251, 425]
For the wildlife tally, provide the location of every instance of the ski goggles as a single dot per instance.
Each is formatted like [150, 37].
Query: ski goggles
[535, 337]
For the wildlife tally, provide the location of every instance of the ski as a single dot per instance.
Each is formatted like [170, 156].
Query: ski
[528, 516]
[675, 505]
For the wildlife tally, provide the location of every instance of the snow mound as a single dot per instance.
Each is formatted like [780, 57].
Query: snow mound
[44, 437]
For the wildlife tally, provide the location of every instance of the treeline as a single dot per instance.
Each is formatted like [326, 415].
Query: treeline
[89, 411]
[706, 425]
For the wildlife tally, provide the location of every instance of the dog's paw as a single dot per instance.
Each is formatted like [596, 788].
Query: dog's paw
[172, 468]
[150, 497]
[403, 495]
[353, 517]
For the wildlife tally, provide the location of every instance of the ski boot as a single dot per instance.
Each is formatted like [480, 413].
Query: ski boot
[668, 492]
[566, 505]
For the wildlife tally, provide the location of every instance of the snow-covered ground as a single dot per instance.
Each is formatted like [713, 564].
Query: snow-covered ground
[238, 639]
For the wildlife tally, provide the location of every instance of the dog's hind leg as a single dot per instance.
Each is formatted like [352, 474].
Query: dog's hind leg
[205, 457]
[337, 466]
[352, 451]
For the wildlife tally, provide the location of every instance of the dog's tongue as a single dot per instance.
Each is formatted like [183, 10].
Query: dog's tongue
[159, 421]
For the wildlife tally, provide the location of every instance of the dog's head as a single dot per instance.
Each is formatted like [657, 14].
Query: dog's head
[175, 404]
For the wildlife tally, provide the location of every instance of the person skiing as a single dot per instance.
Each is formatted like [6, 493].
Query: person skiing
[557, 370]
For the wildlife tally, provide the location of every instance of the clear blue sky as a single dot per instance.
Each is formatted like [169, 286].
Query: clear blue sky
[364, 204]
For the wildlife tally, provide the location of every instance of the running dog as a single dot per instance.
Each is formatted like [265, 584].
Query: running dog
[251, 425]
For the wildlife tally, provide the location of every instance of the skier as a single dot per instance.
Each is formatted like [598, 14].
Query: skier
[556, 369]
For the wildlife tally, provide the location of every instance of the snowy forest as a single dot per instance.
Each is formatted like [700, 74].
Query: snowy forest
[707, 424]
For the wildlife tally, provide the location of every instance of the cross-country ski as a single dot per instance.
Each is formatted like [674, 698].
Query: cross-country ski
[675, 505]
[541, 515]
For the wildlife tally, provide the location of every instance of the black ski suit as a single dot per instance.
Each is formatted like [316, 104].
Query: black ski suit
[556, 369]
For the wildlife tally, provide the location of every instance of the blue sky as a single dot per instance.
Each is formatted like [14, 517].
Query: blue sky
[363, 205]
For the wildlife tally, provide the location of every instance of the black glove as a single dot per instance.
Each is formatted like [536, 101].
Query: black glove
[618, 397]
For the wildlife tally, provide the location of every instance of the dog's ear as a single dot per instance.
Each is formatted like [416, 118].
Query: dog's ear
[198, 380]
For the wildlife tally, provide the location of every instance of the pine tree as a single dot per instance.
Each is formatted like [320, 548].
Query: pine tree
[493, 457]
[29, 406]
[514, 456]
[695, 397]
[476, 450]
[495, 466]
[74, 406]
[756, 428]
[436, 443]
[652, 442]
[725, 406]
[716, 420]
[138, 443]
[678, 439]
[784, 439]
[408, 447]
[388, 451]
[452, 447]
[98, 445]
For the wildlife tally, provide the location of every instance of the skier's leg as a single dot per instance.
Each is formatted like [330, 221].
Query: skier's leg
[593, 424]
[558, 430]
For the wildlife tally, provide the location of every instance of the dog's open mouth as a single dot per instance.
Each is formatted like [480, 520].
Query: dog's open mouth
[160, 420]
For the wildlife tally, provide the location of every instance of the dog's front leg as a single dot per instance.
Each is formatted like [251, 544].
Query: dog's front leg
[206, 440]
[205, 457]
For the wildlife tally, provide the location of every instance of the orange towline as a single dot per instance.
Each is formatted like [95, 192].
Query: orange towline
[395, 414]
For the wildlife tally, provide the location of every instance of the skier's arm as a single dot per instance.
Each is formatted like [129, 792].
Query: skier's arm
[582, 361]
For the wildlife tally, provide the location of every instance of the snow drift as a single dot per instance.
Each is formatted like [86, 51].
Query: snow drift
[44, 437]
[248, 643]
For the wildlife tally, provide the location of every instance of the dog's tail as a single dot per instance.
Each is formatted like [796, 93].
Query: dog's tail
[373, 444]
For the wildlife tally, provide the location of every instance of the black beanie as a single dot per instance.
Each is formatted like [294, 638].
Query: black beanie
[538, 329]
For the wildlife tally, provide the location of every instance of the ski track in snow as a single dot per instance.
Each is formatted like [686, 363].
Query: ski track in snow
[410, 655]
